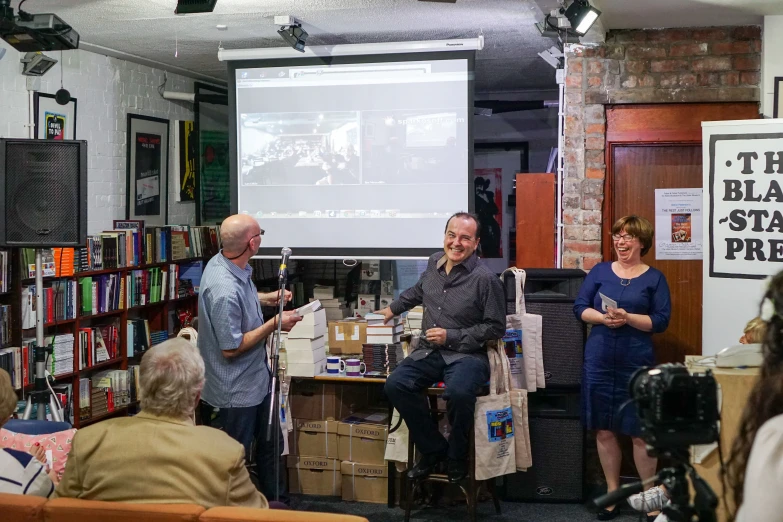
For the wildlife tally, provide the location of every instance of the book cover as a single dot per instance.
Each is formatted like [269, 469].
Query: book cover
[681, 228]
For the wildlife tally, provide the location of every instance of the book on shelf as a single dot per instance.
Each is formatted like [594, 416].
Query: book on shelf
[191, 272]
[11, 361]
[5, 325]
[98, 344]
[5, 271]
[102, 293]
[139, 337]
[108, 391]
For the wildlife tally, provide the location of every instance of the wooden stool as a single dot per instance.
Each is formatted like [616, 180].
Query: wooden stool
[470, 491]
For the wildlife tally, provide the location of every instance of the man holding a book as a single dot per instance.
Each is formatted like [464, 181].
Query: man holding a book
[232, 339]
[464, 307]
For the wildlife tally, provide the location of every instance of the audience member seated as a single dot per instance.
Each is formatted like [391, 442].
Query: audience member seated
[754, 331]
[160, 455]
[21, 473]
[755, 466]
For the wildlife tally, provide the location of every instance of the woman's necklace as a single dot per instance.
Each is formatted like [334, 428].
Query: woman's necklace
[625, 281]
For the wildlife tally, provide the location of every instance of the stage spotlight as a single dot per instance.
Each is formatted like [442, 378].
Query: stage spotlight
[36, 64]
[294, 36]
[582, 16]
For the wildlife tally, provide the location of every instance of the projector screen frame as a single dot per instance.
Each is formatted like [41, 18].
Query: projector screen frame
[346, 253]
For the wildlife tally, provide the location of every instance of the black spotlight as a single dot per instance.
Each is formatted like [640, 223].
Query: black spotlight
[582, 16]
[294, 36]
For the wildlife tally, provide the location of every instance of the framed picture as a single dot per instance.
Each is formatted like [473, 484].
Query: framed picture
[777, 111]
[147, 169]
[128, 224]
[52, 120]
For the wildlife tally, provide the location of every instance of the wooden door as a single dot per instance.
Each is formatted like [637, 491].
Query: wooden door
[654, 147]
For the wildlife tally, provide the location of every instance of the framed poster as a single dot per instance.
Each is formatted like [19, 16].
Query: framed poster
[147, 169]
[187, 150]
[778, 97]
[52, 120]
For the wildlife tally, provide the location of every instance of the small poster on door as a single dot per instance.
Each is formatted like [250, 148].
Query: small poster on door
[678, 224]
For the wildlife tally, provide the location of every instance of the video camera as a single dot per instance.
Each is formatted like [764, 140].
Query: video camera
[35, 32]
[677, 409]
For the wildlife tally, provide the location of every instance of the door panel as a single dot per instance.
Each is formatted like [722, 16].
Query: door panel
[638, 171]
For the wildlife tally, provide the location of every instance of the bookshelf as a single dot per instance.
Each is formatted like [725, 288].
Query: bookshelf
[158, 315]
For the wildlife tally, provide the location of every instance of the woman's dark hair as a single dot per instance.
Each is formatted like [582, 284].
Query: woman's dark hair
[766, 398]
[638, 227]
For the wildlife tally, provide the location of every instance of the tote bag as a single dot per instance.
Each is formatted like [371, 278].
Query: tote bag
[397, 442]
[494, 424]
[523, 340]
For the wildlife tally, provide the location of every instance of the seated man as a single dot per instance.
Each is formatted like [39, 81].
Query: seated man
[160, 456]
[20, 473]
[464, 306]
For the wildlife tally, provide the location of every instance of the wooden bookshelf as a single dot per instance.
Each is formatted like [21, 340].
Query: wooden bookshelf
[155, 313]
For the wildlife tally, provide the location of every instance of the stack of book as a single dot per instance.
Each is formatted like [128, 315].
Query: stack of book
[305, 345]
[382, 351]
[335, 309]
[158, 336]
[380, 333]
[61, 360]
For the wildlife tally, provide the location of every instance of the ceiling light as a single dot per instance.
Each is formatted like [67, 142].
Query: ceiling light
[582, 16]
[36, 64]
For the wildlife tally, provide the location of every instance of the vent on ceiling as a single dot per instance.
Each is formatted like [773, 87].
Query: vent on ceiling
[195, 6]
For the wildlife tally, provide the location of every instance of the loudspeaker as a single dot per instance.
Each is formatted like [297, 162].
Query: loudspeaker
[551, 293]
[557, 442]
[43, 193]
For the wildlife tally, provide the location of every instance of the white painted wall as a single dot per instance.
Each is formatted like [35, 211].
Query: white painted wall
[106, 90]
[729, 303]
[771, 60]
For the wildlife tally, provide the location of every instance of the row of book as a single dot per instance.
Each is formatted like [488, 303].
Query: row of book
[59, 303]
[108, 391]
[5, 271]
[19, 361]
[98, 344]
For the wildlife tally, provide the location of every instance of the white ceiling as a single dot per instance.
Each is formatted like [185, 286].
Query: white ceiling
[151, 30]
[640, 14]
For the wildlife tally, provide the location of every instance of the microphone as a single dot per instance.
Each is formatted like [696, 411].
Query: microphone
[286, 253]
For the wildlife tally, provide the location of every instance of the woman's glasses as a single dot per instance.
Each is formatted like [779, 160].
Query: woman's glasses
[626, 237]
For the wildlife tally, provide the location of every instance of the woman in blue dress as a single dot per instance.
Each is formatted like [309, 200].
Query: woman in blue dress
[620, 343]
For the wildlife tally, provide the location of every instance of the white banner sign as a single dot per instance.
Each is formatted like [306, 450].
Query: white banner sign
[678, 224]
[746, 205]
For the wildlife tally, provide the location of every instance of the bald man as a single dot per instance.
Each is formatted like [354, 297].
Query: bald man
[232, 340]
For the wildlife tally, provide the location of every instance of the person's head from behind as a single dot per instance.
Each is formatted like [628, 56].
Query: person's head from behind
[240, 235]
[632, 237]
[461, 237]
[766, 398]
[8, 397]
[171, 378]
[754, 331]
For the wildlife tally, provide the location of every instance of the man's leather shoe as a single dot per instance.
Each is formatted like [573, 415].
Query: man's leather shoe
[425, 466]
[458, 470]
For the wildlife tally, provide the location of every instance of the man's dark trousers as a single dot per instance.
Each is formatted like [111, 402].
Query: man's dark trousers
[463, 379]
[248, 424]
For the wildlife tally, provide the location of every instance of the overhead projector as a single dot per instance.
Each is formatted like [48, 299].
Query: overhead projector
[29, 33]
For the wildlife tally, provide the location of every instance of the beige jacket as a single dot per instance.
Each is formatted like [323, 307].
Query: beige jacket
[159, 460]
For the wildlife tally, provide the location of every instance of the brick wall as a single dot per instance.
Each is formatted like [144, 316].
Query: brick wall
[106, 90]
[715, 64]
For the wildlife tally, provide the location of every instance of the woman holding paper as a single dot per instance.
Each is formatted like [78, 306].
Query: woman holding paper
[626, 301]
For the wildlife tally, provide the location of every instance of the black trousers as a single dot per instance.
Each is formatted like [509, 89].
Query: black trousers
[249, 425]
[463, 379]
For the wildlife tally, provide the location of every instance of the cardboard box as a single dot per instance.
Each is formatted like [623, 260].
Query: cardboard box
[316, 438]
[362, 437]
[311, 326]
[347, 337]
[313, 400]
[305, 369]
[314, 476]
[365, 482]
[305, 356]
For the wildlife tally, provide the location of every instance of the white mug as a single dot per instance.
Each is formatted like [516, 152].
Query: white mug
[334, 365]
[353, 368]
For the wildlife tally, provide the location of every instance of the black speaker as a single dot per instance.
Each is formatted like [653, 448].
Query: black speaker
[557, 442]
[43, 193]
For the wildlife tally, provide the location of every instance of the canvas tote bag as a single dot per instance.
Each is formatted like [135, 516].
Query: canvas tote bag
[523, 333]
[494, 424]
[397, 442]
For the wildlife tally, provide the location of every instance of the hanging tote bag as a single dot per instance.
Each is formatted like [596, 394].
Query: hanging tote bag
[494, 424]
[397, 440]
[523, 339]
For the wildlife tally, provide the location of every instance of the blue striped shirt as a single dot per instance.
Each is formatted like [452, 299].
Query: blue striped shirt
[228, 308]
[21, 474]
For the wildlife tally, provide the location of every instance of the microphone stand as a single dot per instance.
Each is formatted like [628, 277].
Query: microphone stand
[273, 425]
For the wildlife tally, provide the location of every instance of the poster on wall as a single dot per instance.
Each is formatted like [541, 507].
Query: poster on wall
[147, 169]
[746, 204]
[52, 120]
[214, 177]
[187, 152]
[678, 224]
[488, 186]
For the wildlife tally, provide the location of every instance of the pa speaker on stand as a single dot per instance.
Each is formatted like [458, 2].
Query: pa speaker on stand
[43, 203]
